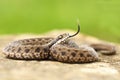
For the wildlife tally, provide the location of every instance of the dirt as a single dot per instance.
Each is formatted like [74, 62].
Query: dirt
[108, 68]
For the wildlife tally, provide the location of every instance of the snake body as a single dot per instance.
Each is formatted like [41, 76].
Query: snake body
[37, 48]
[28, 49]
[60, 48]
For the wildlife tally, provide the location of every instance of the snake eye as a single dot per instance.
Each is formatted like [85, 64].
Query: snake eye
[60, 37]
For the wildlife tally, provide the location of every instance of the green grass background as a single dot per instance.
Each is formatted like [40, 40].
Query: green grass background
[100, 18]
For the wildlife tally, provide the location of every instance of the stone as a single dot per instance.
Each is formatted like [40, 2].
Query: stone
[108, 68]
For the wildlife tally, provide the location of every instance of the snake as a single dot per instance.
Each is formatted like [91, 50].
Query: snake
[61, 49]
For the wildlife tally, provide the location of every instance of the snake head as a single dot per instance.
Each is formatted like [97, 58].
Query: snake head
[63, 37]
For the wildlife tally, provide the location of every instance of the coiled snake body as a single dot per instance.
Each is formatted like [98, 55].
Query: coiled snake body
[61, 49]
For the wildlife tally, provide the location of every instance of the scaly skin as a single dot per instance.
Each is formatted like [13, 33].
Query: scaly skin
[64, 51]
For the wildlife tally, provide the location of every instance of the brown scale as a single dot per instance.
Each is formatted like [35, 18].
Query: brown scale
[60, 49]
[65, 54]
[27, 49]
[34, 41]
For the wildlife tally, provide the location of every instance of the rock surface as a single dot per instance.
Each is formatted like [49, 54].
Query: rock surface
[108, 68]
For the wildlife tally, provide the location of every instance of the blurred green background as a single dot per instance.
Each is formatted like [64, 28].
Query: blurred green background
[100, 18]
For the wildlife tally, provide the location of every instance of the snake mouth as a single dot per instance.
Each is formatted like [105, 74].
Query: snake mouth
[76, 32]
